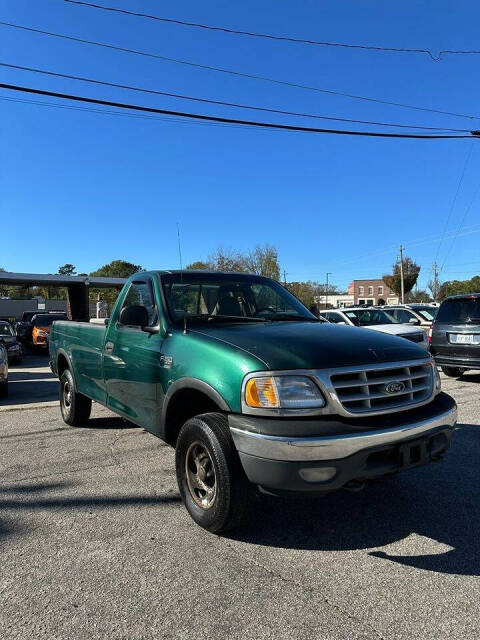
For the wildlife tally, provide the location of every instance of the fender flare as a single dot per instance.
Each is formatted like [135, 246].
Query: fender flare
[62, 352]
[197, 385]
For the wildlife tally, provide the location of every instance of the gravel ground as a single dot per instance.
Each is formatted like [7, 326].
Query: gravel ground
[95, 542]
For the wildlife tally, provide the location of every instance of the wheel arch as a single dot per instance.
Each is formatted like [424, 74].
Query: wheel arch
[186, 398]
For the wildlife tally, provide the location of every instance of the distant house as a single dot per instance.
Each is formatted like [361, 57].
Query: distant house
[372, 292]
[336, 300]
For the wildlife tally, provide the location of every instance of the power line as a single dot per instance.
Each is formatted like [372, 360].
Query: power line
[270, 36]
[457, 234]
[240, 74]
[221, 102]
[248, 123]
[454, 201]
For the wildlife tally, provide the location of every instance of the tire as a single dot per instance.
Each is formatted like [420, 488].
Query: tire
[224, 505]
[74, 406]
[3, 389]
[452, 372]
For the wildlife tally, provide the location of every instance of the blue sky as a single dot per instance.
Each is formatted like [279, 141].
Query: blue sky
[87, 188]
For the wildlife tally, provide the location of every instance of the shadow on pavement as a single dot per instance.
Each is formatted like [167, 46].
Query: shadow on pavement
[24, 504]
[27, 376]
[440, 502]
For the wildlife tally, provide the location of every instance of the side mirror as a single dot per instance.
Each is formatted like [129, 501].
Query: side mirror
[134, 316]
[415, 321]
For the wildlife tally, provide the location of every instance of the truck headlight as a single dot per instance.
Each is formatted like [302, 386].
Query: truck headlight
[283, 392]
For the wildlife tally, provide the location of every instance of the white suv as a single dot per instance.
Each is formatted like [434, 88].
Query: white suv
[378, 320]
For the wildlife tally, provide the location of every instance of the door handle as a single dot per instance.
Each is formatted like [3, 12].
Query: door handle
[109, 347]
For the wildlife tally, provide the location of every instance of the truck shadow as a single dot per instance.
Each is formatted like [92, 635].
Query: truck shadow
[439, 502]
[26, 499]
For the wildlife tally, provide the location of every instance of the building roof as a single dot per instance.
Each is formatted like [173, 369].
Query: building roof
[56, 280]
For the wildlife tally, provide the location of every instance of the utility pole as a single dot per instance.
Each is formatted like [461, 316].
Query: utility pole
[284, 279]
[435, 281]
[326, 291]
[401, 275]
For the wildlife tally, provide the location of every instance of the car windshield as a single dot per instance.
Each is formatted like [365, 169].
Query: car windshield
[368, 317]
[6, 330]
[459, 311]
[235, 297]
[427, 313]
[28, 315]
[46, 320]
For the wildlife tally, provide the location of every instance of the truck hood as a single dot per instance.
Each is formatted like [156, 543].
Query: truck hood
[305, 345]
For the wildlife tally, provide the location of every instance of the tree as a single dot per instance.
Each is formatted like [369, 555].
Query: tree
[117, 269]
[199, 265]
[457, 287]
[307, 292]
[67, 270]
[419, 295]
[262, 261]
[114, 269]
[410, 276]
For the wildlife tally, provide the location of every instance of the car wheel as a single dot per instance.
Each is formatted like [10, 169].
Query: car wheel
[453, 372]
[74, 406]
[210, 477]
[3, 389]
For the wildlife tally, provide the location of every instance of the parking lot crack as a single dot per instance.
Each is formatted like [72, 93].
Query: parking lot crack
[312, 591]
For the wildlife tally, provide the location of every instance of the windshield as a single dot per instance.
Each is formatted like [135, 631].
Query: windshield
[6, 330]
[213, 296]
[28, 315]
[368, 317]
[428, 313]
[459, 311]
[46, 320]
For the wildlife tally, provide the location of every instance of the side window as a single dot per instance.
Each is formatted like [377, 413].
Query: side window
[335, 317]
[141, 293]
[402, 315]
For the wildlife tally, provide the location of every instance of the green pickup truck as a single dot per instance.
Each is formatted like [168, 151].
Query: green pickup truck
[252, 390]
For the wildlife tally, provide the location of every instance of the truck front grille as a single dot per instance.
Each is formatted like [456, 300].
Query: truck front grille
[382, 389]
[414, 337]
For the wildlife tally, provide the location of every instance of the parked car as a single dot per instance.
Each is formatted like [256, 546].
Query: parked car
[23, 327]
[252, 390]
[41, 325]
[9, 339]
[378, 320]
[3, 372]
[421, 315]
[455, 334]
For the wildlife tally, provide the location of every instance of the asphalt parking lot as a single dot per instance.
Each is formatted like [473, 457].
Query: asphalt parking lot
[95, 543]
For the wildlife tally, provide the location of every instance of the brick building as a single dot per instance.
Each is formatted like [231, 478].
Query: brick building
[372, 292]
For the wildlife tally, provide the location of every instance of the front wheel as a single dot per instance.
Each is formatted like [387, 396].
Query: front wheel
[453, 372]
[210, 477]
[74, 406]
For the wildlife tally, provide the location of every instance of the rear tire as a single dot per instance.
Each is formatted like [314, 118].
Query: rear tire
[210, 477]
[453, 372]
[3, 389]
[74, 406]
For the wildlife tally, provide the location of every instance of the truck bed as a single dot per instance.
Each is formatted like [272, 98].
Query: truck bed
[82, 343]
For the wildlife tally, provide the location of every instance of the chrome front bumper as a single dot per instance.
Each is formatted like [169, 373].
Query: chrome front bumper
[337, 447]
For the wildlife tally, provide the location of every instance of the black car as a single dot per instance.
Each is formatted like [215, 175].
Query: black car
[10, 342]
[24, 326]
[455, 334]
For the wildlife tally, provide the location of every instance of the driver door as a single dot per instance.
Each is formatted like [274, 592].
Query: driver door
[132, 361]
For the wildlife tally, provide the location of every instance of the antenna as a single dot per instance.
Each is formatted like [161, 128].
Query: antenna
[179, 251]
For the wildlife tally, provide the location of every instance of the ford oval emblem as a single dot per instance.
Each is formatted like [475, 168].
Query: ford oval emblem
[395, 387]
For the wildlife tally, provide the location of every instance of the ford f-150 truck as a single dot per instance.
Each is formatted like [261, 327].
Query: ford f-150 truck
[252, 390]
